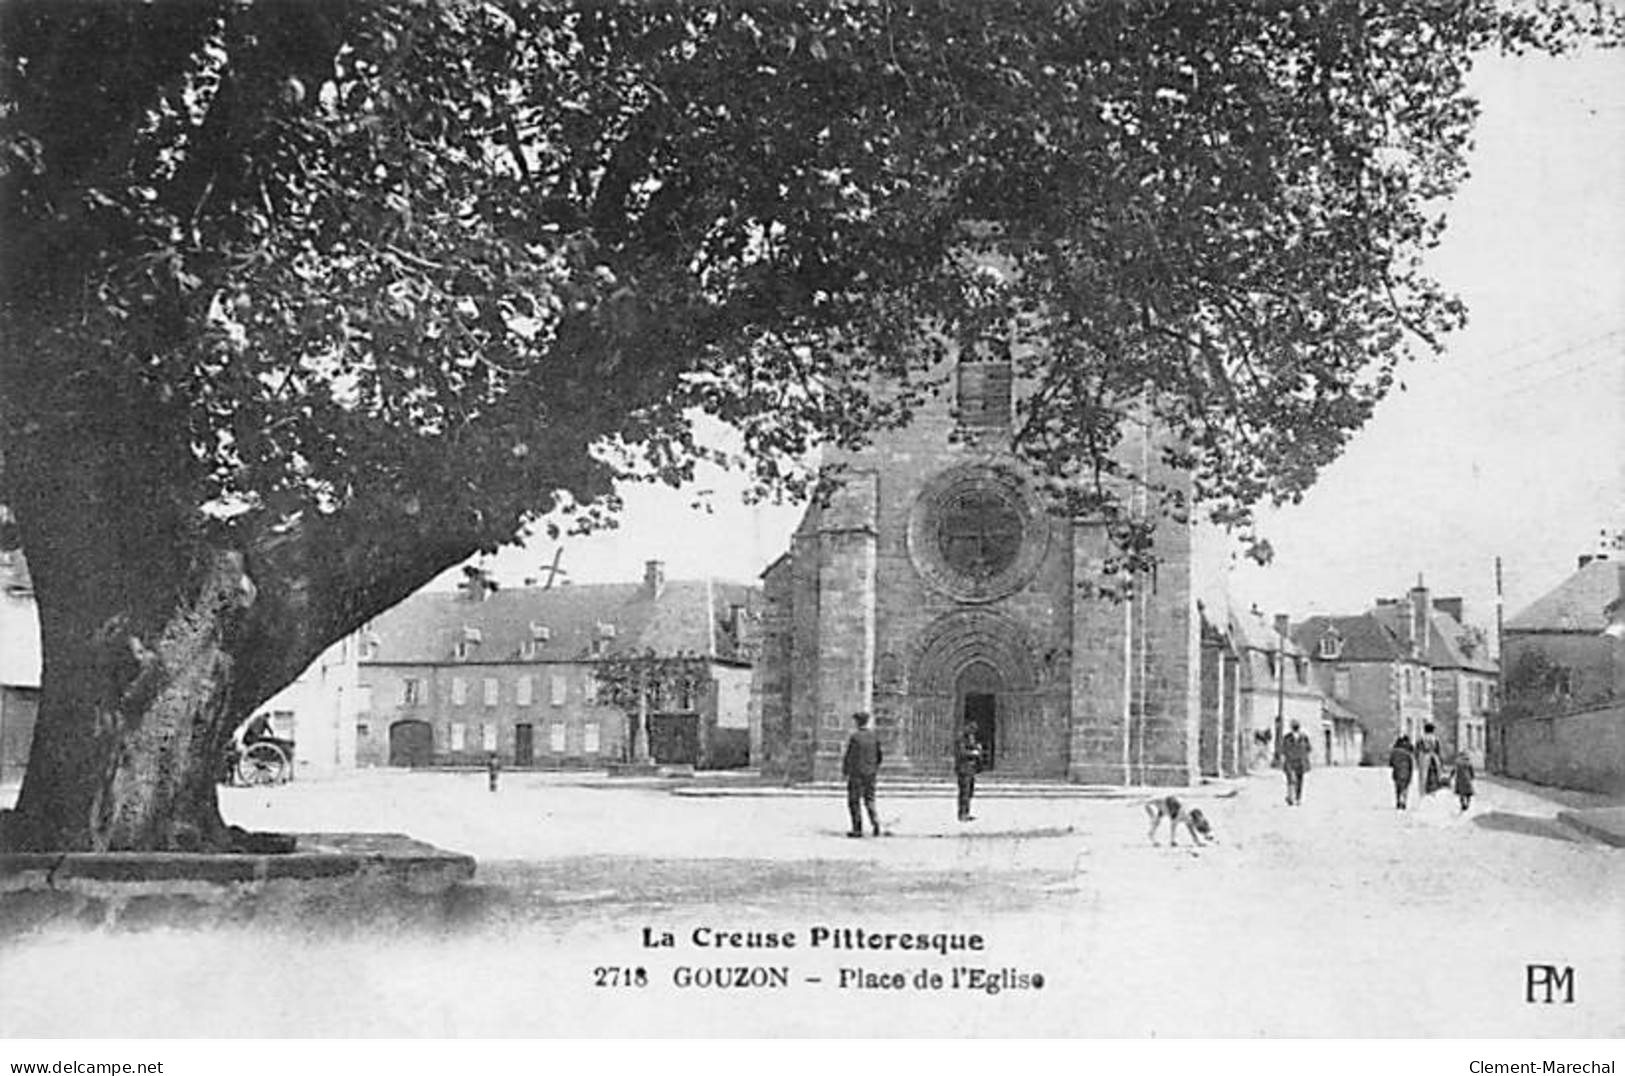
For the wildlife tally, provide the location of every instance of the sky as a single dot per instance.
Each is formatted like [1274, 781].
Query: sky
[1510, 445]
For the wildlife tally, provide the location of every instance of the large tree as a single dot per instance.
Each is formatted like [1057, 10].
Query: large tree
[304, 302]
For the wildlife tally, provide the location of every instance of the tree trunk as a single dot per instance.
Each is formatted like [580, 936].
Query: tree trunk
[131, 731]
[159, 639]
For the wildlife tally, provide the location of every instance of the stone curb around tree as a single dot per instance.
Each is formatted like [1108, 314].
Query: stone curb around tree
[134, 890]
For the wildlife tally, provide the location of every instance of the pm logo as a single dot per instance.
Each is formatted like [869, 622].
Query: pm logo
[1548, 983]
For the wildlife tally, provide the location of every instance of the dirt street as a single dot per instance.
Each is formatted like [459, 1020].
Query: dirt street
[1341, 917]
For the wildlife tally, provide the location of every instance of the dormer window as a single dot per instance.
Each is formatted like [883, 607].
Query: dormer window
[1331, 646]
[540, 634]
[472, 637]
[606, 631]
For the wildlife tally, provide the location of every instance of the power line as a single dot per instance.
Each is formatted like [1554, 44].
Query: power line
[1567, 371]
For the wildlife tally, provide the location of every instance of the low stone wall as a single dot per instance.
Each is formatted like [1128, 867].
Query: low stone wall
[338, 877]
[1584, 750]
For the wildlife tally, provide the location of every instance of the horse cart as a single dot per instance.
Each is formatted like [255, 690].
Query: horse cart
[255, 757]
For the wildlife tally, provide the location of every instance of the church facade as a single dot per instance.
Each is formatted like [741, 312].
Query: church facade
[937, 588]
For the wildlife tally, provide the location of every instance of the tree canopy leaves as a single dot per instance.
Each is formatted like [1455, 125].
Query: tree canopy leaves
[449, 265]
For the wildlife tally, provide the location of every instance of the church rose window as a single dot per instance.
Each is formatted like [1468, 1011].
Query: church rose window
[980, 532]
[977, 532]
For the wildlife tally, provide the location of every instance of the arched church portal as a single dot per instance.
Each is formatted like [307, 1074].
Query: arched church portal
[978, 691]
[977, 666]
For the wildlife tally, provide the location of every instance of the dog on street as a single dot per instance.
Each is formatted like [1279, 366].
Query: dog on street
[1177, 814]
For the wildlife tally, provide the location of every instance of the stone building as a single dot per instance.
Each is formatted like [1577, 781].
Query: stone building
[1278, 686]
[937, 587]
[1405, 663]
[19, 664]
[1563, 719]
[1373, 670]
[318, 711]
[1464, 675]
[448, 678]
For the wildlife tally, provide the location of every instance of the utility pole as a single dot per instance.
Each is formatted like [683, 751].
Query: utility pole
[1500, 737]
[1280, 693]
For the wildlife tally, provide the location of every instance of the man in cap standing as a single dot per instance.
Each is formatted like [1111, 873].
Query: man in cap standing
[860, 766]
[1295, 751]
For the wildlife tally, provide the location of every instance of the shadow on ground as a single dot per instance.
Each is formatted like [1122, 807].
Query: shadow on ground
[1526, 825]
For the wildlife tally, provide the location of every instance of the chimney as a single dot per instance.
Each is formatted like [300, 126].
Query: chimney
[1283, 625]
[1452, 607]
[654, 578]
[1421, 619]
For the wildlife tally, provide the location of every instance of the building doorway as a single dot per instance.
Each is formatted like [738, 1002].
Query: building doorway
[979, 688]
[411, 743]
[674, 739]
[981, 714]
[524, 745]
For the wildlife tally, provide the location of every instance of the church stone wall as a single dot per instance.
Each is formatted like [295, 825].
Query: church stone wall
[1088, 689]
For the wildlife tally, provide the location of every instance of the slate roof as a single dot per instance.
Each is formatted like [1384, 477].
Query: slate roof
[1365, 637]
[1577, 603]
[1252, 631]
[689, 616]
[1450, 644]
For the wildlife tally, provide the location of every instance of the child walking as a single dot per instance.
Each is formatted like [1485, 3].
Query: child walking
[1463, 779]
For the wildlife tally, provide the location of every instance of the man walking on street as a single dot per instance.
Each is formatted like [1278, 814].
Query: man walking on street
[967, 763]
[1295, 751]
[860, 766]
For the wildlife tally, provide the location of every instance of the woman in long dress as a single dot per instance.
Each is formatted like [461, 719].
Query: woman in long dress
[1430, 756]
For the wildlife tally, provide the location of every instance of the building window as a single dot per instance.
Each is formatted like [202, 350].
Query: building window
[521, 691]
[558, 688]
[491, 691]
[488, 737]
[459, 691]
[1340, 683]
[555, 737]
[459, 736]
[411, 691]
[589, 738]
[1410, 682]
[361, 729]
[1331, 647]
[984, 393]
